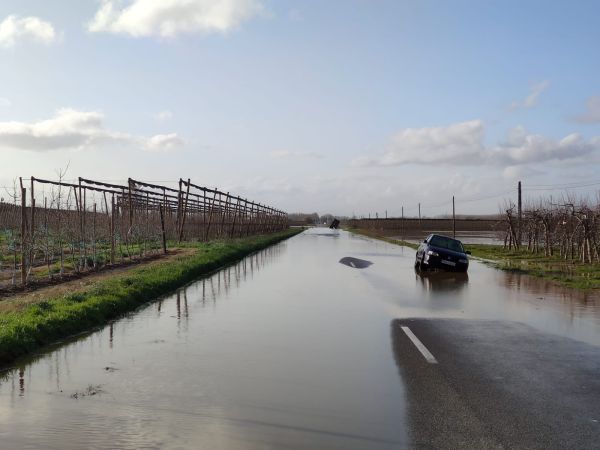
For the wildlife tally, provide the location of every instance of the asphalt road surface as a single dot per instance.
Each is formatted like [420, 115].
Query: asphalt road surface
[497, 384]
[327, 340]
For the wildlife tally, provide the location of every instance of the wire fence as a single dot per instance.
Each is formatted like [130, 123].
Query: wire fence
[52, 230]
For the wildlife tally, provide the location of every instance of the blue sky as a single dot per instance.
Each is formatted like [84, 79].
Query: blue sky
[349, 107]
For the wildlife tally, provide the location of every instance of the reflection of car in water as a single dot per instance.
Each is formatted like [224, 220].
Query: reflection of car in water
[441, 252]
[443, 281]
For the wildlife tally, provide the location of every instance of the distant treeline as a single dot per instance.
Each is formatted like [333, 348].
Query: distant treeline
[311, 218]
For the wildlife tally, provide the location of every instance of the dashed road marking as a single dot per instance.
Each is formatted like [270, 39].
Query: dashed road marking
[415, 340]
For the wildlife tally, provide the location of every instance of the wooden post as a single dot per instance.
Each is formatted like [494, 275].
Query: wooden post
[453, 219]
[259, 218]
[162, 227]
[234, 217]
[112, 230]
[76, 202]
[250, 219]
[32, 225]
[129, 182]
[210, 213]
[179, 205]
[47, 249]
[420, 215]
[184, 209]
[204, 205]
[224, 212]
[23, 231]
[402, 227]
[147, 237]
[105, 204]
[94, 238]
[83, 228]
[519, 218]
[80, 219]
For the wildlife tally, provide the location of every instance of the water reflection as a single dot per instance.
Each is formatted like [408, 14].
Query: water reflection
[205, 291]
[544, 288]
[442, 281]
[223, 363]
[21, 381]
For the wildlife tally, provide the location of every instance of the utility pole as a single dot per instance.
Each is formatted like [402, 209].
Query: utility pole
[402, 227]
[519, 216]
[419, 215]
[453, 219]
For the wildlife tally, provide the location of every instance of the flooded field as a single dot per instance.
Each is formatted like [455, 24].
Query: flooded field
[291, 347]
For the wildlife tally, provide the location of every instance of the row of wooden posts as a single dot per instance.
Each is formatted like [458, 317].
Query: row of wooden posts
[137, 215]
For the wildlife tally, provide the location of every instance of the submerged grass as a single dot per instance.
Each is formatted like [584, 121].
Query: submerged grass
[572, 274]
[22, 331]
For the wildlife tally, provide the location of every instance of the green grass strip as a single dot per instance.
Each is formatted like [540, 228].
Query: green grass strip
[40, 324]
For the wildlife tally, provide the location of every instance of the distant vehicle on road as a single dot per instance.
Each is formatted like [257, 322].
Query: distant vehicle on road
[442, 252]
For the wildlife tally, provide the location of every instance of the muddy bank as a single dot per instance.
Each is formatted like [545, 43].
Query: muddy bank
[55, 318]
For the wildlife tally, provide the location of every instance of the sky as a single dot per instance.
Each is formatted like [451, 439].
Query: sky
[350, 107]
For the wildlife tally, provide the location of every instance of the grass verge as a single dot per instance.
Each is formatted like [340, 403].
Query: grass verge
[22, 331]
[571, 274]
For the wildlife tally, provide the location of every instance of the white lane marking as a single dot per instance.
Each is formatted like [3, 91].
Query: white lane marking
[352, 264]
[415, 340]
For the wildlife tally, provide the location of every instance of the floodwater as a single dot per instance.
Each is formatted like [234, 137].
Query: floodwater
[287, 349]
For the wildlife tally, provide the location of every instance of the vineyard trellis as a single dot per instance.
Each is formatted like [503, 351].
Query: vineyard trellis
[58, 229]
[569, 229]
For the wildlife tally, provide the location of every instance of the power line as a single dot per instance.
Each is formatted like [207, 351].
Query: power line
[564, 187]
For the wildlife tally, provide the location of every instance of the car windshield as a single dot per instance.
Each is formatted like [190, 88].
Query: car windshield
[446, 242]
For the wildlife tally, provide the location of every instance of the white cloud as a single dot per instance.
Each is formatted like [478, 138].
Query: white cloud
[592, 112]
[523, 148]
[286, 154]
[164, 115]
[462, 144]
[15, 28]
[164, 143]
[532, 99]
[519, 172]
[168, 18]
[459, 143]
[72, 129]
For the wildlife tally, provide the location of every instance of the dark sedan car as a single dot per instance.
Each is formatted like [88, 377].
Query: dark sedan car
[442, 252]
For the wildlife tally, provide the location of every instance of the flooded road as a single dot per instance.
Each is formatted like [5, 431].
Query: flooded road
[290, 348]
